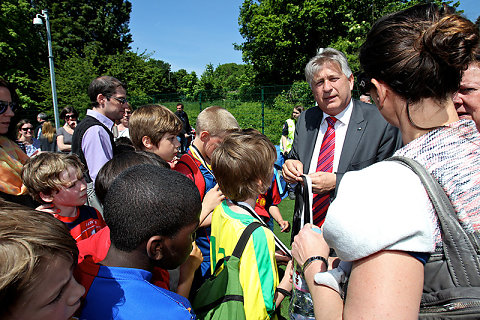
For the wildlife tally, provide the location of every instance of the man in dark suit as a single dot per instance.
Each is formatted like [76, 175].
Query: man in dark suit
[339, 135]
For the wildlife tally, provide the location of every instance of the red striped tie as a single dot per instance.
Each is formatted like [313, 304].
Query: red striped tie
[325, 164]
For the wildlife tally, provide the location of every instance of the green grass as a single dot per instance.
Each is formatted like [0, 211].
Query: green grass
[286, 209]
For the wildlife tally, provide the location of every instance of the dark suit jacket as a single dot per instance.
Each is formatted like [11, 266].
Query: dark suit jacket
[369, 139]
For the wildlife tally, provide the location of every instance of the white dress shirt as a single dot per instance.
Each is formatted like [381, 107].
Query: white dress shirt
[341, 125]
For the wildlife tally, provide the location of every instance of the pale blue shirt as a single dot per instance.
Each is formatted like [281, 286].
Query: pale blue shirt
[96, 145]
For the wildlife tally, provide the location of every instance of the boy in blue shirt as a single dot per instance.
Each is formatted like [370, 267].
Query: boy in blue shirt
[152, 213]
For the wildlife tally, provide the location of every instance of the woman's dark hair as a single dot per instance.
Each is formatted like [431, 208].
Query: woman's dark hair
[420, 52]
[12, 131]
[11, 88]
[67, 110]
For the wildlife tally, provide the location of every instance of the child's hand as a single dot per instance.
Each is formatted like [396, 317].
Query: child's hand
[48, 208]
[213, 198]
[284, 226]
[193, 261]
[281, 258]
[286, 282]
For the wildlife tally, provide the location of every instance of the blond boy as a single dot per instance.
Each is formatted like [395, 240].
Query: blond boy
[38, 255]
[154, 128]
[57, 180]
[243, 165]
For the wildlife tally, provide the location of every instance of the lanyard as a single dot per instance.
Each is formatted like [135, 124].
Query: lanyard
[252, 212]
[197, 155]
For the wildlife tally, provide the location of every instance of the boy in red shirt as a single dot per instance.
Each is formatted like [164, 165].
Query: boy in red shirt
[57, 180]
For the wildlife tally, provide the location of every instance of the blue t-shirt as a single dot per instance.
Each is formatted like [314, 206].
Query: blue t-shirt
[126, 293]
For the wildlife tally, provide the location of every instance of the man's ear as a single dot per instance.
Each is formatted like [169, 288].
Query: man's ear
[351, 81]
[46, 197]
[156, 247]
[101, 99]
[147, 143]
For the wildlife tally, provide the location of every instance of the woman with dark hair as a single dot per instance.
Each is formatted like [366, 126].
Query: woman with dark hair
[65, 133]
[12, 157]
[25, 138]
[382, 221]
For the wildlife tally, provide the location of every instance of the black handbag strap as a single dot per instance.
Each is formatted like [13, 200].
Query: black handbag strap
[242, 242]
[463, 263]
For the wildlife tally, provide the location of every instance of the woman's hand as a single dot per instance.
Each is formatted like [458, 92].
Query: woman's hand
[308, 243]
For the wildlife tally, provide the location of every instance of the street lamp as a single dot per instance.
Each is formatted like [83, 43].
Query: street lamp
[38, 20]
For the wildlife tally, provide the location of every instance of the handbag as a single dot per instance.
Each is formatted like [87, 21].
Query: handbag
[221, 296]
[452, 277]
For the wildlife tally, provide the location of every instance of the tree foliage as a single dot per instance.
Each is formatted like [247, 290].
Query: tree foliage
[281, 36]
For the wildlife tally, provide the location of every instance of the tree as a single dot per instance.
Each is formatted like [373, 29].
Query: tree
[22, 52]
[78, 24]
[78, 28]
[281, 36]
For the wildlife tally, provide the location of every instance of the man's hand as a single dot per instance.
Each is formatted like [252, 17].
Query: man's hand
[292, 170]
[323, 182]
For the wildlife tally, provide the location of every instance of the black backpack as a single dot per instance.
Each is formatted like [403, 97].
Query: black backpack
[451, 287]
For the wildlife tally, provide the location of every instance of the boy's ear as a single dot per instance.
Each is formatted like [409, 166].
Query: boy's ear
[46, 197]
[147, 143]
[204, 136]
[155, 247]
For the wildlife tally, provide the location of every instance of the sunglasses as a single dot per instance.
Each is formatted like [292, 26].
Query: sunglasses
[121, 100]
[27, 129]
[68, 117]
[4, 106]
[364, 83]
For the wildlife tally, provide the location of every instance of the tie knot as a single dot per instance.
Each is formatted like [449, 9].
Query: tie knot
[331, 121]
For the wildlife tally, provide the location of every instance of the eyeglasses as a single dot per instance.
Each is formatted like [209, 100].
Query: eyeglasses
[27, 129]
[4, 106]
[121, 100]
[364, 83]
[70, 116]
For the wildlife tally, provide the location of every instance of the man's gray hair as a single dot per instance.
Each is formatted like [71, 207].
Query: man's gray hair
[324, 55]
[42, 116]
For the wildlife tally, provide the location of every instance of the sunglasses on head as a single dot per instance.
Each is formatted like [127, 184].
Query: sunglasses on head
[4, 106]
[364, 83]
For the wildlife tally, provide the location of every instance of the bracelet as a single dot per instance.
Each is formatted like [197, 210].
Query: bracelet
[311, 259]
[284, 292]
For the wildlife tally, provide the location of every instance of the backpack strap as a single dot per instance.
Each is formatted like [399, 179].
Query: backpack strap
[242, 242]
[186, 161]
[460, 253]
[240, 246]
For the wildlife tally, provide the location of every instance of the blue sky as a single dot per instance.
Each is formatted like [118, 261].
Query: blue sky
[189, 34]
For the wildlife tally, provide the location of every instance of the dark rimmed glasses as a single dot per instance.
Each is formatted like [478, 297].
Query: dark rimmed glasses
[27, 129]
[70, 116]
[4, 106]
[121, 100]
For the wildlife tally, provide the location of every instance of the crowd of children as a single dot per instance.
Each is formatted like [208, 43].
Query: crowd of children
[119, 265]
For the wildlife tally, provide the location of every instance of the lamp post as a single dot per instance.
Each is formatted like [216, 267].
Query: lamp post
[38, 20]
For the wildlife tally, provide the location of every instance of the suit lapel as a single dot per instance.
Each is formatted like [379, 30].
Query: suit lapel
[312, 127]
[355, 130]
